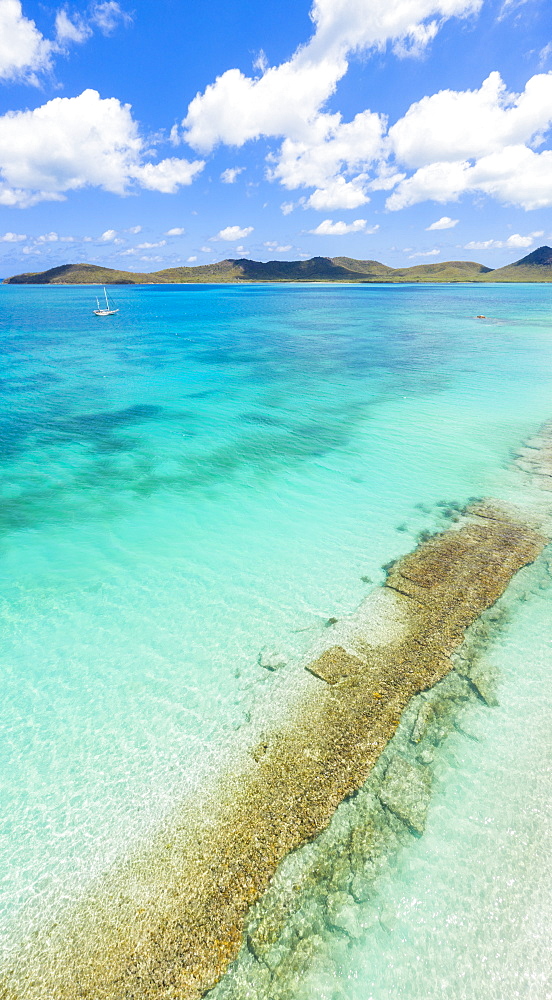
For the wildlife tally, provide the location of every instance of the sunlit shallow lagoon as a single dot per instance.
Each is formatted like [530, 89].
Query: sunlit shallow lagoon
[213, 471]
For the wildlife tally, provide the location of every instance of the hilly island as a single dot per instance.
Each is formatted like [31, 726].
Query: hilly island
[536, 266]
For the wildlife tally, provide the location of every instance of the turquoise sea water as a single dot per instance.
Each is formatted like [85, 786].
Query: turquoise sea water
[210, 472]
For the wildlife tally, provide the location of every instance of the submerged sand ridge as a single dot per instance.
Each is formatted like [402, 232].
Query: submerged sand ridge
[168, 923]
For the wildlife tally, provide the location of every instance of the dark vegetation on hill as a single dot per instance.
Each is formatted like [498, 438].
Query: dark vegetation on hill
[536, 266]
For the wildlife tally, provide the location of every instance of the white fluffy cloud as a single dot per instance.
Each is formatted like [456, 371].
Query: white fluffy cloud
[457, 125]
[12, 238]
[332, 147]
[232, 233]
[150, 246]
[319, 150]
[485, 140]
[480, 140]
[25, 53]
[167, 175]
[176, 231]
[425, 253]
[75, 142]
[229, 175]
[516, 176]
[515, 241]
[329, 228]
[286, 99]
[443, 223]
[359, 24]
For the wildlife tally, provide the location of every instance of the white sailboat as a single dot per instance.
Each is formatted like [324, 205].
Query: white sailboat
[107, 310]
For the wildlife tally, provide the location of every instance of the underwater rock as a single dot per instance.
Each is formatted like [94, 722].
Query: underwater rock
[270, 659]
[484, 678]
[388, 919]
[323, 983]
[424, 719]
[361, 888]
[343, 914]
[455, 688]
[335, 664]
[246, 979]
[406, 791]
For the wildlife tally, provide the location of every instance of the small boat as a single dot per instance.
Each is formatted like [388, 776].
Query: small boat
[107, 310]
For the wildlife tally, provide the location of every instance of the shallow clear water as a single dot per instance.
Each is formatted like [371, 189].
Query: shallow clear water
[464, 911]
[211, 471]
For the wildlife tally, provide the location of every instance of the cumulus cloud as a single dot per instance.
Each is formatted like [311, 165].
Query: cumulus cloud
[229, 175]
[320, 161]
[190, 260]
[516, 175]
[481, 140]
[167, 175]
[232, 233]
[329, 228]
[286, 99]
[456, 125]
[108, 236]
[75, 142]
[287, 207]
[149, 246]
[425, 253]
[25, 52]
[443, 223]
[515, 241]
[134, 230]
[176, 231]
[12, 238]
[485, 140]
[319, 149]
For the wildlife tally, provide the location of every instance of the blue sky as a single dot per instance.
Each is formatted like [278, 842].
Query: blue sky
[148, 134]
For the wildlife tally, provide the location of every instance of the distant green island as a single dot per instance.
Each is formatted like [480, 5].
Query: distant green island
[536, 266]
